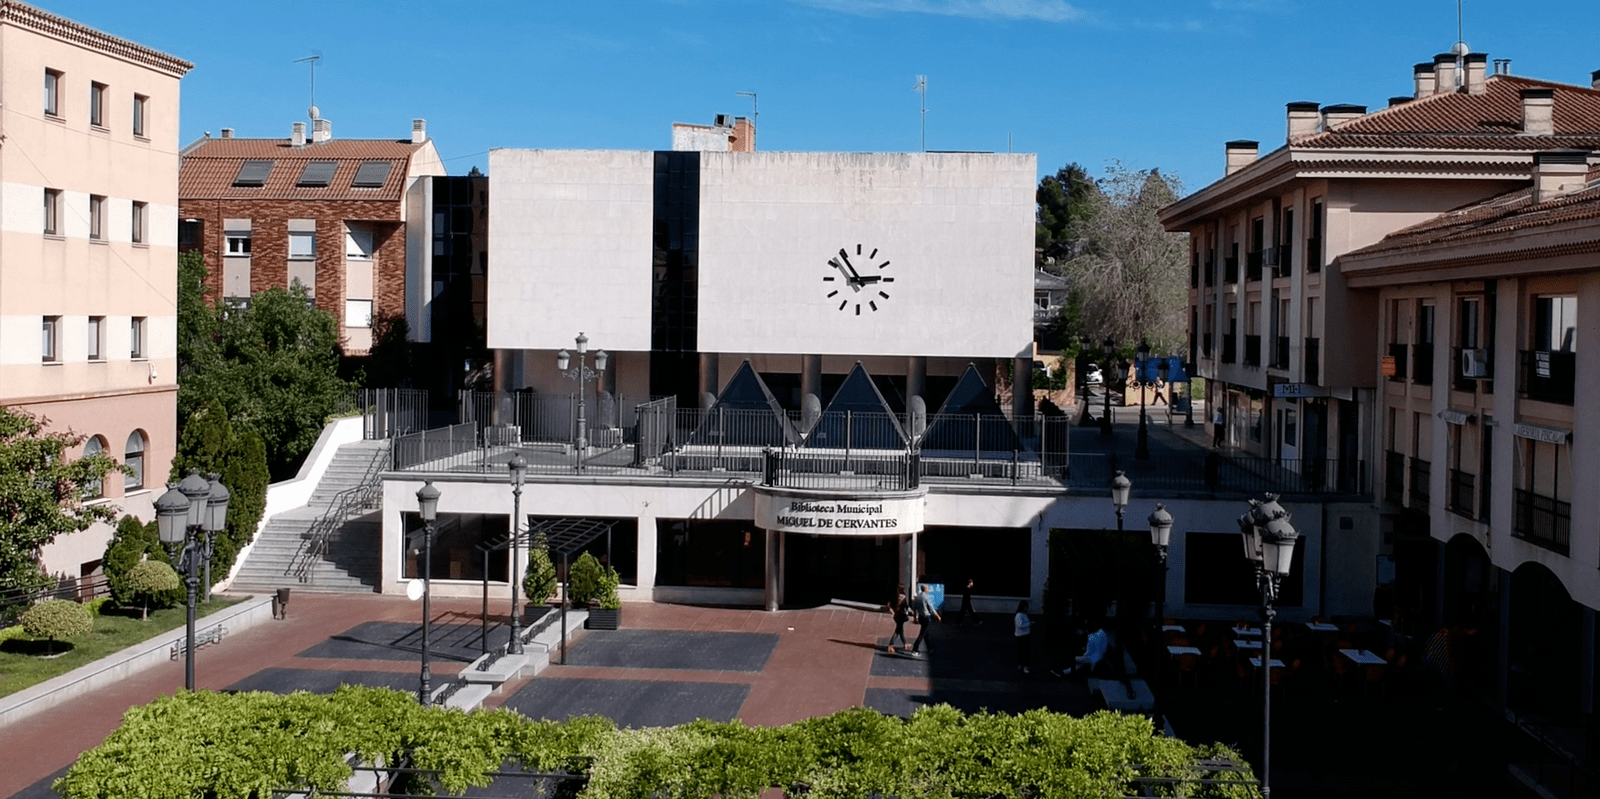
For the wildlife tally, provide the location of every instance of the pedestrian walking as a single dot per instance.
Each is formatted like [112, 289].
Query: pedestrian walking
[900, 608]
[1218, 421]
[966, 605]
[1023, 628]
[927, 614]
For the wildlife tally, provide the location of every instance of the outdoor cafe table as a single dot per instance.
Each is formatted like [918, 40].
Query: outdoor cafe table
[1247, 632]
[1183, 650]
[1362, 657]
[1276, 663]
[1248, 644]
[1322, 627]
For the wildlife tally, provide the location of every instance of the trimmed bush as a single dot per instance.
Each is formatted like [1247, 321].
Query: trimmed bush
[540, 581]
[133, 543]
[152, 580]
[585, 577]
[57, 619]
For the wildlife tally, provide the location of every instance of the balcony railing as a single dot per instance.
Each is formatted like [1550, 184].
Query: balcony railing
[1314, 254]
[1394, 477]
[1422, 364]
[1398, 353]
[1421, 472]
[1313, 365]
[1548, 376]
[1252, 265]
[1252, 350]
[1230, 348]
[1230, 269]
[1280, 352]
[1544, 521]
[1463, 492]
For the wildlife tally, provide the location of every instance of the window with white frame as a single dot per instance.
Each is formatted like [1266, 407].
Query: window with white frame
[358, 313]
[358, 243]
[133, 458]
[302, 245]
[93, 488]
[52, 212]
[238, 242]
[50, 340]
[52, 92]
[97, 104]
[97, 338]
[140, 212]
[136, 327]
[141, 105]
[97, 217]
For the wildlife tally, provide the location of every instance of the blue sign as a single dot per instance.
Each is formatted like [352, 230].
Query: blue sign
[1174, 369]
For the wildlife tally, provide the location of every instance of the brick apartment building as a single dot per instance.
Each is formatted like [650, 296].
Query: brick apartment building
[330, 214]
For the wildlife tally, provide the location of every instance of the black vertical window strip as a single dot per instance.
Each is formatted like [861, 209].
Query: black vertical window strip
[675, 262]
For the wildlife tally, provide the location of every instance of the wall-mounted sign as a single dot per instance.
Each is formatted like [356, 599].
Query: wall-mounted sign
[1298, 390]
[1453, 416]
[1549, 435]
[1386, 366]
[841, 513]
[1541, 363]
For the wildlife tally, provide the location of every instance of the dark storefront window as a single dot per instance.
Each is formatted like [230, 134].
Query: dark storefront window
[456, 551]
[1217, 573]
[710, 553]
[996, 558]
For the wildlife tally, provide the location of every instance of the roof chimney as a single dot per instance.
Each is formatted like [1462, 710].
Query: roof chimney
[1241, 154]
[743, 139]
[321, 130]
[298, 139]
[1594, 80]
[419, 131]
[1337, 116]
[1303, 120]
[1556, 172]
[227, 133]
[1502, 66]
[1399, 99]
[1477, 69]
[1424, 77]
[1444, 73]
[1538, 112]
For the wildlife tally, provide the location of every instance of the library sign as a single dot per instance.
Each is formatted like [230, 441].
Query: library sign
[843, 513]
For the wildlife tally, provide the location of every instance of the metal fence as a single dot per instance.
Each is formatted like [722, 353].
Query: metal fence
[789, 468]
[387, 412]
[1214, 472]
[444, 446]
[81, 589]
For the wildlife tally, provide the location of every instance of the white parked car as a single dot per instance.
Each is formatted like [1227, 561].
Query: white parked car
[1093, 377]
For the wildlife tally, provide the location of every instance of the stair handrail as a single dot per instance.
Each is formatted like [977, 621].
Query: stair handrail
[318, 540]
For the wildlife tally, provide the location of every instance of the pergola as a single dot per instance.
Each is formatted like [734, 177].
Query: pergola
[567, 537]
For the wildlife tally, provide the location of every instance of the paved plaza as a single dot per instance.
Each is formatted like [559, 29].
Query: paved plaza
[670, 664]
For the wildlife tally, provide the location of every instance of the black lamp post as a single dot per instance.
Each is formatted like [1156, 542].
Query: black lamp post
[519, 467]
[1141, 450]
[1121, 488]
[1083, 379]
[1160, 536]
[583, 374]
[1109, 347]
[1269, 541]
[194, 505]
[428, 509]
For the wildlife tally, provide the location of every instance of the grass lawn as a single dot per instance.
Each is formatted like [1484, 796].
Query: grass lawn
[23, 661]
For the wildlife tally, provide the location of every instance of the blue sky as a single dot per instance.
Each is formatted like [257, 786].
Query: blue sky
[1161, 83]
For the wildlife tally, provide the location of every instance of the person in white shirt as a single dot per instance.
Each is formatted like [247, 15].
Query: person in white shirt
[1023, 627]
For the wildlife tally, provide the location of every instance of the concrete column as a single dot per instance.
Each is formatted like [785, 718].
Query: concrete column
[1039, 566]
[810, 389]
[709, 382]
[1503, 655]
[917, 377]
[1022, 387]
[773, 584]
[783, 567]
[646, 547]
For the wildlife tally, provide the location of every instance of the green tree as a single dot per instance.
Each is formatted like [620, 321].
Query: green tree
[211, 444]
[1063, 201]
[132, 543]
[57, 619]
[585, 578]
[540, 581]
[42, 486]
[152, 581]
[389, 362]
[1131, 279]
[273, 365]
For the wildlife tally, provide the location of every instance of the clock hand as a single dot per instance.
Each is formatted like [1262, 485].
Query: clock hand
[854, 275]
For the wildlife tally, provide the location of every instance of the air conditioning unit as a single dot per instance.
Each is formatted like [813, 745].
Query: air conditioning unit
[724, 121]
[1474, 363]
[1269, 256]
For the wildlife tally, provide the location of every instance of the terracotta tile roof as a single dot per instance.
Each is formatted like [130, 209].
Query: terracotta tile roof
[209, 168]
[1505, 213]
[1488, 121]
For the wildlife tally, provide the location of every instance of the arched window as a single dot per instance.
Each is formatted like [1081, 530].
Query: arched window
[133, 458]
[94, 489]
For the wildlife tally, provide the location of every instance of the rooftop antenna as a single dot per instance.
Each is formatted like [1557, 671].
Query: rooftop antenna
[922, 88]
[755, 109]
[313, 59]
[1460, 48]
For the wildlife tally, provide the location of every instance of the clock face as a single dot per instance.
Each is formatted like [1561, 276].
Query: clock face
[856, 279]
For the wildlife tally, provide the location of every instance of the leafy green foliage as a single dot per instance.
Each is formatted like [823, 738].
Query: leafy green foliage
[132, 543]
[273, 366]
[42, 485]
[539, 584]
[152, 582]
[239, 745]
[1063, 202]
[57, 620]
[211, 444]
[585, 576]
[606, 594]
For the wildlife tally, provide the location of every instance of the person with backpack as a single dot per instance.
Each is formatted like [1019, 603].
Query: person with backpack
[900, 608]
[927, 614]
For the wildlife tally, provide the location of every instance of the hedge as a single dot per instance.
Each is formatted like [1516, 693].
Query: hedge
[234, 746]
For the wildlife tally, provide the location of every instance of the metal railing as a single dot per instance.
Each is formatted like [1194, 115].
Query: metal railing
[1548, 376]
[1399, 352]
[1252, 350]
[1280, 352]
[390, 412]
[1421, 475]
[1213, 472]
[1463, 490]
[317, 541]
[1252, 265]
[789, 468]
[80, 589]
[444, 444]
[1542, 520]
